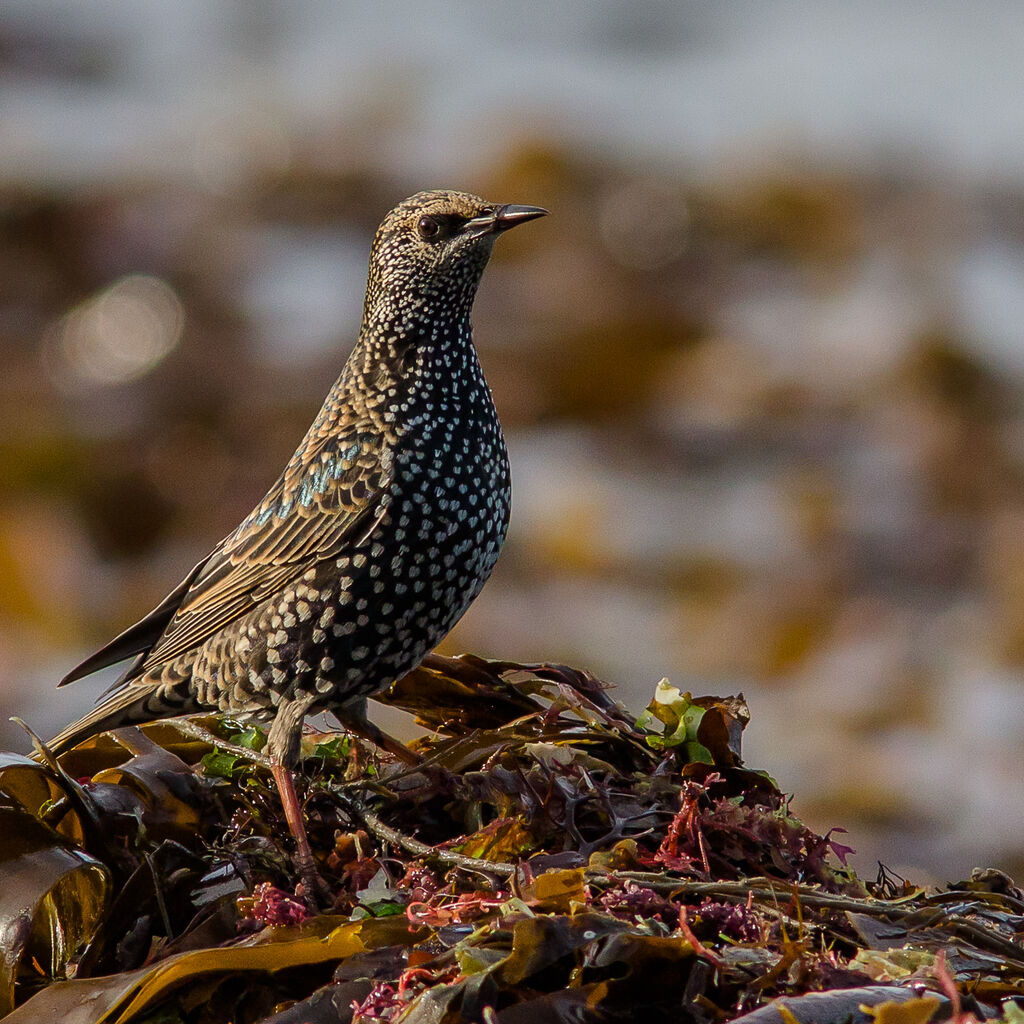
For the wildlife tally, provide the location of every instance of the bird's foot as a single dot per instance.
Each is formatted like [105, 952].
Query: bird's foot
[315, 891]
[312, 889]
[353, 719]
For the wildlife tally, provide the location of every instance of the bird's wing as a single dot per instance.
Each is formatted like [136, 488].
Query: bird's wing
[325, 502]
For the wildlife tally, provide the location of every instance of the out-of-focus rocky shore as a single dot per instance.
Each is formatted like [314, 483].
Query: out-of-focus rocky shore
[767, 432]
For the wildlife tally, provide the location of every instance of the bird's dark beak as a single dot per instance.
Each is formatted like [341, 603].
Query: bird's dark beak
[500, 219]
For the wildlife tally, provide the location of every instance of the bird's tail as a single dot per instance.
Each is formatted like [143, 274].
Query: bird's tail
[133, 704]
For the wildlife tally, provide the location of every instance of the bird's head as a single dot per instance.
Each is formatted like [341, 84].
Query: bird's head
[432, 249]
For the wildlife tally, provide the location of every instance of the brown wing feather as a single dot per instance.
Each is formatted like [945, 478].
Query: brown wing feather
[312, 513]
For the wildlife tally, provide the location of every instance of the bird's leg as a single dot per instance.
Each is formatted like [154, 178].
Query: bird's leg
[353, 718]
[283, 746]
[305, 863]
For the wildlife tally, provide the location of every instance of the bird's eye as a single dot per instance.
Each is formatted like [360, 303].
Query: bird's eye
[428, 228]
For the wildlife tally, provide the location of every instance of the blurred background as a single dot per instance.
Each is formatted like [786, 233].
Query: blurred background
[761, 371]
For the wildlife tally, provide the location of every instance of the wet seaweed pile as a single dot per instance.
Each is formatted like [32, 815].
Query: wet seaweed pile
[550, 859]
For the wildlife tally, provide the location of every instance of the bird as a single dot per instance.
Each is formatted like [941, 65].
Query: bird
[381, 530]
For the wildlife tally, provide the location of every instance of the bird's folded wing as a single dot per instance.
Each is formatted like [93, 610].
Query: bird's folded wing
[318, 509]
[321, 507]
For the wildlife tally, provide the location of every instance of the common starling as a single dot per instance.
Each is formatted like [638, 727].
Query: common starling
[371, 544]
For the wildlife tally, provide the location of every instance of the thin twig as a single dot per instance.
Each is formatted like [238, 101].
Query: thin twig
[199, 732]
[430, 761]
[390, 835]
[698, 947]
[764, 889]
[159, 893]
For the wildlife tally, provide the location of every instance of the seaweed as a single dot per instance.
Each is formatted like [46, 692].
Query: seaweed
[550, 858]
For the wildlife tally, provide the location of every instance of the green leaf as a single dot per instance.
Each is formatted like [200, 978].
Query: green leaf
[222, 765]
[386, 908]
[336, 749]
[253, 738]
[680, 719]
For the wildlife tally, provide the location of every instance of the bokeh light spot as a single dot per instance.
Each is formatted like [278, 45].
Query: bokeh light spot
[116, 336]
